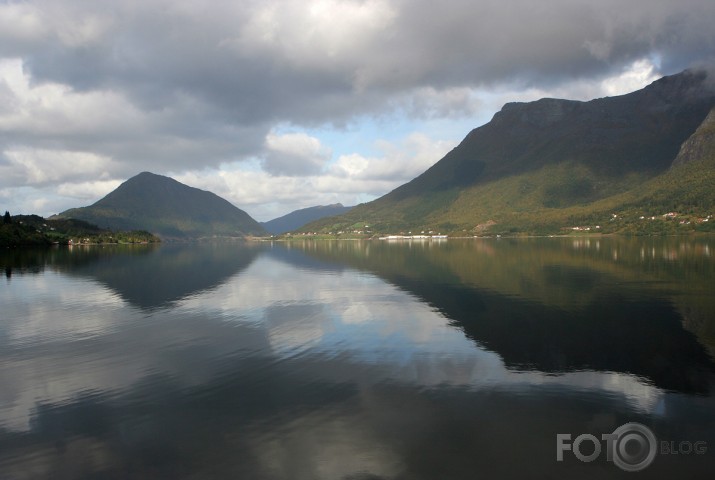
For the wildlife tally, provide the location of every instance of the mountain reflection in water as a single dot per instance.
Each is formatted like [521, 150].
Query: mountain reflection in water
[414, 360]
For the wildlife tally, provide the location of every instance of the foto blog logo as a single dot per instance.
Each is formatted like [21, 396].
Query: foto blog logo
[631, 447]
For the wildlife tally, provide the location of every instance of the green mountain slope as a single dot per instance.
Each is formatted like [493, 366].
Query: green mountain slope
[164, 206]
[544, 166]
[298, 218]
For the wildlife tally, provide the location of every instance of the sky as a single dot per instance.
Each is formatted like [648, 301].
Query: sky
[277, 105]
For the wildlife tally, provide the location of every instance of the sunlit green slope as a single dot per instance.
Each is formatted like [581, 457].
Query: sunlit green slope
[555, 165]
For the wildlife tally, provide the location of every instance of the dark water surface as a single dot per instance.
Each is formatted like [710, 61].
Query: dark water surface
[457, 359]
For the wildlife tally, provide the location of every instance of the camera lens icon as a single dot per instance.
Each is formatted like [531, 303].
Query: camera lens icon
[633, 447]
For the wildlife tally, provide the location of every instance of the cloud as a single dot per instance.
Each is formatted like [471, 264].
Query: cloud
[630, 78]
[87, 190]
[641, 72]
[182, 86]
[326, 60]
[294, 154]
[350, 179]
[40, 167]
[430, 102]
[21, 26]
[398, 163]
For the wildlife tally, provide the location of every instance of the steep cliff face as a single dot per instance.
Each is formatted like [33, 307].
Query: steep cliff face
[700, 145]
[542, 113]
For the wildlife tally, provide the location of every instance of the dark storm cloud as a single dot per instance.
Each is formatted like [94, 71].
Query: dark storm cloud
[282, 61]
[542, 43]
[205, 83]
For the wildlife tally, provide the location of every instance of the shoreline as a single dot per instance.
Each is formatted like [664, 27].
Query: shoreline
[484, 237]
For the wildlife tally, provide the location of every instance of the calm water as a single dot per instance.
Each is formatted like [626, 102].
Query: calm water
[355, 360]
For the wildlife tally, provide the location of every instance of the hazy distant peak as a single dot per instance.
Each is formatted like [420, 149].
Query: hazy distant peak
[296, 219]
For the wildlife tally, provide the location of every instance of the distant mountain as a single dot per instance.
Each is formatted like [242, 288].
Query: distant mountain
[298, 218]
[546, 165]
[166, 207]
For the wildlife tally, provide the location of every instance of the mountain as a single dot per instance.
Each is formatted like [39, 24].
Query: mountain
[687, 186]
[550, 164]
[168, 208]
[701, 145]
[298, 218]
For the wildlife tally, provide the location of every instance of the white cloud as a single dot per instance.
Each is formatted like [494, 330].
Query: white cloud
[351, 179]
[294, 154]
[52, 109]
[638, 75]
[39, 204]
[87, 191]
[21, 22]
[265, 196]
[323, 34]
[398, 162]
[36, 167]
[632, 77]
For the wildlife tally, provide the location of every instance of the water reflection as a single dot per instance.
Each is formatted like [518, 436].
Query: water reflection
[544, 307]
[349, 360]
[147, 276]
